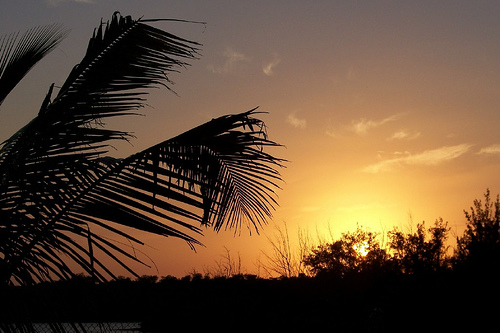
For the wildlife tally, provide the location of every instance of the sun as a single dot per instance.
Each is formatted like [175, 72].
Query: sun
[361, 248]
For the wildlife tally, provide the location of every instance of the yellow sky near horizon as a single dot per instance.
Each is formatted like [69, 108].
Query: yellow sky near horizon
[386, 109]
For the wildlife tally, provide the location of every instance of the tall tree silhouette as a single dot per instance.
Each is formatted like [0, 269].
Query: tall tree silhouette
[479, 246]
[58, 187]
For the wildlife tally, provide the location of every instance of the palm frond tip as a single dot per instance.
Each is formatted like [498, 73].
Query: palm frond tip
[19, 55]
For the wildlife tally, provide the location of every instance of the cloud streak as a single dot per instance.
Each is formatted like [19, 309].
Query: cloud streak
[427, 158]
[493, 149]
[296, 122]
[404, 135]
[231, 57]
[268, 68]
[362, 126]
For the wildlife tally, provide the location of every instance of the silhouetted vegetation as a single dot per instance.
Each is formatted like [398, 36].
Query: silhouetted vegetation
[60, 191]
[413, 282]
[355, 252]
[479, 247]
[424, 250]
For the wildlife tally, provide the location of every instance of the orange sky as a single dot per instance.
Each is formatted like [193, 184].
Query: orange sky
[386, 108]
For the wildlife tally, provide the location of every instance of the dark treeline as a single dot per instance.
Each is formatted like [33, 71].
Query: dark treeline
[415, 282]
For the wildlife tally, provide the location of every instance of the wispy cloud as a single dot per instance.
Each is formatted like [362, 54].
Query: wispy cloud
[332, 133]
[404, 134]
[362, 126]
[426, 158]
[493, 149]
[231, 58]
[296, 122]
[268, 68]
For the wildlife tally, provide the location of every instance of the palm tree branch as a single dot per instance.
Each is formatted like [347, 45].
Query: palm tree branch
[56, 184]
[222, 151]
[124, 196]
[17, 57]
[121, 61]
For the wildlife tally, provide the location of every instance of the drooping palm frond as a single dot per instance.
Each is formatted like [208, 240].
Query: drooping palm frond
[17, 57]
[216, 174]
[57, 191]
[219, 168]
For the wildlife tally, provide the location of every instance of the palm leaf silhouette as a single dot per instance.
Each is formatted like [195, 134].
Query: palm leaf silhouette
[17, 57]
[59, 191]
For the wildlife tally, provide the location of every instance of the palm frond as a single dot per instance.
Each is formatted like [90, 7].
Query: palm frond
[58, 193]
[54, 155]
[216, 174]
[218, 169]
[121, 60]
[17, 57]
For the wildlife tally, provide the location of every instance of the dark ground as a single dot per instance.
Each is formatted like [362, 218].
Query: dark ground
[447, 302]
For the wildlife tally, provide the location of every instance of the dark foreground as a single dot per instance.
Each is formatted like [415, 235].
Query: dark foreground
[437, 302]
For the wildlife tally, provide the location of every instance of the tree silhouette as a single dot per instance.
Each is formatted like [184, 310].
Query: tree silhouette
[360, 252]
[354, 252]
[59, 190]
[421, 251]
[480, 243]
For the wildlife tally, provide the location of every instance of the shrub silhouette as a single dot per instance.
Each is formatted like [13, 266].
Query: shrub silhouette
[354, 252]
[421, 251]
[479, 246]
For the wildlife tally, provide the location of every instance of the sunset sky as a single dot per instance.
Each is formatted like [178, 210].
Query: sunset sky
[387, 109]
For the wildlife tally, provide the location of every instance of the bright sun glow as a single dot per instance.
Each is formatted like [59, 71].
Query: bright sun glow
[361, 248]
